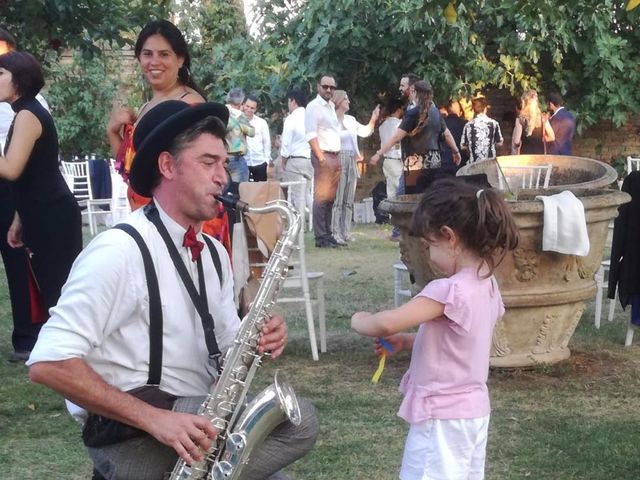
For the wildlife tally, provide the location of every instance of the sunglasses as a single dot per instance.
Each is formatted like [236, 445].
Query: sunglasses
[328, 87]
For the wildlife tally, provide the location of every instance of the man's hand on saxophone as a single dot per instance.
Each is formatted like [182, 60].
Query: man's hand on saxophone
[274, 336]
[189, 435]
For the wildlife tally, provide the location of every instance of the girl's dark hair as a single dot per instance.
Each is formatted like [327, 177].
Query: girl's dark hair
[27, 76]
[482, 220]
[173, 35]
[424, 98]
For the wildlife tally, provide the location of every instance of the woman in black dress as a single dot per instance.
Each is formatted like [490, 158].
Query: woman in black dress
[47, 220]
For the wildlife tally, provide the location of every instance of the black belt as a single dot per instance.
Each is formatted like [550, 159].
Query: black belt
[332, 153]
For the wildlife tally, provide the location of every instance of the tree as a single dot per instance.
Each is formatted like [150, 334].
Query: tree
[586, 49]
[51, 25]
[80, 94]
[226, 56]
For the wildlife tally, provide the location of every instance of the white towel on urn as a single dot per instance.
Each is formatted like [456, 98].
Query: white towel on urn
[565, 225]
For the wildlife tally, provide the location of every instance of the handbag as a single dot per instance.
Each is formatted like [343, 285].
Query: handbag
[99, 431]
[39, 311]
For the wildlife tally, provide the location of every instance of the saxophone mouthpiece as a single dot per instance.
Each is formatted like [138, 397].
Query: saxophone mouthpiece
[229, 200]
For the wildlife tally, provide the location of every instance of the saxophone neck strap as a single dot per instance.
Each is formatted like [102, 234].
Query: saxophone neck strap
[199, 299]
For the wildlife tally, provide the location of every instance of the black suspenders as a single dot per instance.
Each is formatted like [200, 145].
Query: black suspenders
[155, 306]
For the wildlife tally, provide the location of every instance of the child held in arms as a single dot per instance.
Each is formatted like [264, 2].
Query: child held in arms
[446, 401]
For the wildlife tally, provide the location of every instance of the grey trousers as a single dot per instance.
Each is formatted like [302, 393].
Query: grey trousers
[299, 168]
[145, 458]
[342, 214]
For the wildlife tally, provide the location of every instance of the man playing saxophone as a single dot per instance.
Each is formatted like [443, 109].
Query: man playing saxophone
[147, 314]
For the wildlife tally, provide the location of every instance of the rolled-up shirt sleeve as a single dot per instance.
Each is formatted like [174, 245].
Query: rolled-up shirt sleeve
[97, 293]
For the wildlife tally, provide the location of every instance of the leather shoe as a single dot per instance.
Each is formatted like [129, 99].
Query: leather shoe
[19, 356]
[325, 244]
[338, 243]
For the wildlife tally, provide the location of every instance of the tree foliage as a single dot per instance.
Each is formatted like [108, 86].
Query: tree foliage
[588, 50]
[81, 94]
[86, 25]
[226, 56]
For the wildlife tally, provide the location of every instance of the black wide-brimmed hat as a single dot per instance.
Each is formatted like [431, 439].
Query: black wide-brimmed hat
[157, 129]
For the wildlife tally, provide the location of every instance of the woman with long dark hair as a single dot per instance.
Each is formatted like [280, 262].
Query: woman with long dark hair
[164, 59]
[419, 134]
[47, 220]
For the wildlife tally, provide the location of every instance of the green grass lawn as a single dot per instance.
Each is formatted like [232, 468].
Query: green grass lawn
[575, 420]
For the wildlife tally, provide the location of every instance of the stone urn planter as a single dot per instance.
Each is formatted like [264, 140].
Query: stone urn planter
[544, 292]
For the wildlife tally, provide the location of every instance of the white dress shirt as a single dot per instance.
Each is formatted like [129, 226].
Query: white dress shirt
[259, 146]
[294, 137]
[322, 123]
[387, 129]
[103, 313]
[355, 129]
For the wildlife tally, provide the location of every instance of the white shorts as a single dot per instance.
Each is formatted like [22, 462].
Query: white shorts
[446, 450]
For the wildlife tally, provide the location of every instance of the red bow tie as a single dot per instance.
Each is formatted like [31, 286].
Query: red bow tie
[191, 242]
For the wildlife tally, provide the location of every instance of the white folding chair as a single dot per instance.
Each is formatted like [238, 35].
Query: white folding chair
[297, 287]
[633, 163]
[524, 176]
[77, 177]
[600, 279]
[76, 174]
[401, 287]
[300, 279]
[119, 203]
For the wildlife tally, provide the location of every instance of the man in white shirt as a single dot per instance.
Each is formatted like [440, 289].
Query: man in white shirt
[323, 135]
[259, 146]
[392, 163]
[113, 337]
[294, 148]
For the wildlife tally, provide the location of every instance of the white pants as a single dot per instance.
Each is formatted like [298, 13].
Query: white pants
[446, 450]
[393, 170]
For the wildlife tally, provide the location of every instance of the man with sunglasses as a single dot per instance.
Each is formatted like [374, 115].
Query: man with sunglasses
[323, 134]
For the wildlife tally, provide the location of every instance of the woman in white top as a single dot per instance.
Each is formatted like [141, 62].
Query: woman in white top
[350, 129]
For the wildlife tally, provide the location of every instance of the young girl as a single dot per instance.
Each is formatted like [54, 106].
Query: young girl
[446, 402]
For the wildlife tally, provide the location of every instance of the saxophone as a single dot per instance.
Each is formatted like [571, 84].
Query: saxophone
[238, 435]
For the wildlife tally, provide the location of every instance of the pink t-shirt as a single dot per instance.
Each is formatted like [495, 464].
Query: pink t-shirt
[447, 378]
